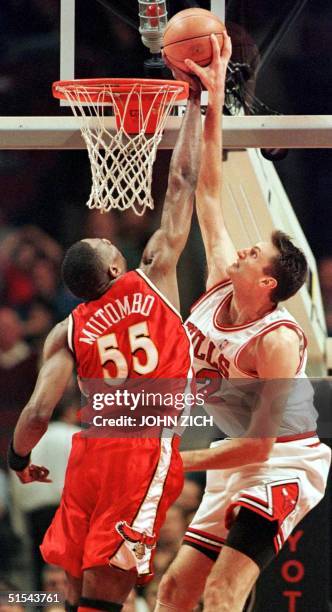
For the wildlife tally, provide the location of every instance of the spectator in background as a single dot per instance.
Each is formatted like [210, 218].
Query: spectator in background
[18, 287]
[54, 580]
[189, 499]
[41, 504]
[29, 260]
[5, 586]
[42, 312]
[20, 252]
[172, 530]
[13, 349]
[17, 363]
[134, 603]
[150, 594]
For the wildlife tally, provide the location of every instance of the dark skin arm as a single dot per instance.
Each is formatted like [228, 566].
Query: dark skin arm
[51, 383]
[164, 248]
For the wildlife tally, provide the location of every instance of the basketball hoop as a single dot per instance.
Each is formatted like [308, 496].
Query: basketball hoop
[121, 161]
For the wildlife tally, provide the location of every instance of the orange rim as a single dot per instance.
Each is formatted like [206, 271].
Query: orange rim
[94, 87]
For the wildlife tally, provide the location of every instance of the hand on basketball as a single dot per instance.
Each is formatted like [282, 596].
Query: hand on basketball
[213, 76]
[194, 82]
[34, 473]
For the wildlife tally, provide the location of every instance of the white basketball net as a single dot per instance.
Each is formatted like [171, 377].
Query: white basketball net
[121, 163]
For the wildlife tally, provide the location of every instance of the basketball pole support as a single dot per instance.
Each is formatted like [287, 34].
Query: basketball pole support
[218, 8]
[67, 42]
[284, 131]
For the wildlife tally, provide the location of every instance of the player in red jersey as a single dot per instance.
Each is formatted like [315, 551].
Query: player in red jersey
[117, 491]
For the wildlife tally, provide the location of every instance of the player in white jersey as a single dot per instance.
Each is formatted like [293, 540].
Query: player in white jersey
[250, 357]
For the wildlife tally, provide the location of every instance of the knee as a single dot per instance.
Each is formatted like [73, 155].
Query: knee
[219, 595]
[170, 591]
[168, 587]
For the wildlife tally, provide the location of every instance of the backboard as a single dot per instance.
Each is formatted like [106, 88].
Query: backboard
[278, 47]
[281, 53]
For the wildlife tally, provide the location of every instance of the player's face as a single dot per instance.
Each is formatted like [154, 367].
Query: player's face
[252, 262]
[109, 253]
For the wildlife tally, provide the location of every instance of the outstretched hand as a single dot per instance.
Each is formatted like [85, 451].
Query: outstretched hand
[34, 473]
[179, 75]
[213, 76]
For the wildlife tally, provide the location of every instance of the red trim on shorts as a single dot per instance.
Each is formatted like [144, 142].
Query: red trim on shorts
[209, 292]
[254, 509]
[205, 534]
[277, 509]
[278, 541]
[277, 545]
[213, 547]
[299, 436]
[259, 501]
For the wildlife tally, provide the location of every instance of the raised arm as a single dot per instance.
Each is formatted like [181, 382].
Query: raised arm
[219, 249]
[51, 383]
[164, 248]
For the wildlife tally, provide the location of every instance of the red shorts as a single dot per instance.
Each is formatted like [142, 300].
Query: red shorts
[133, 481]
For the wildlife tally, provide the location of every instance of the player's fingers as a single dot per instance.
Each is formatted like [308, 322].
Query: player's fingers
[226, 51]
[38, 472]
[195, 68]
[198, 73]
[215, 48]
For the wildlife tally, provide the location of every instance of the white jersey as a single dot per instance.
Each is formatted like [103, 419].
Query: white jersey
[229, 389]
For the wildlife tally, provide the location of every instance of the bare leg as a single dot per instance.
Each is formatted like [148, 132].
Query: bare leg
[108, 583]
[74, 589]
[230, 582]
[183, 584]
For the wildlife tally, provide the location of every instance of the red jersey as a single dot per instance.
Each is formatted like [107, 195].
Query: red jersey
[118, 490]
[131, 331]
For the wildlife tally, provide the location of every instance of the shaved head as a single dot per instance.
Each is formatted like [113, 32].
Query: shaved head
[90, 266]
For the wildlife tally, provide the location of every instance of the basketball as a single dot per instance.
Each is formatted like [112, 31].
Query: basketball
[187, 36]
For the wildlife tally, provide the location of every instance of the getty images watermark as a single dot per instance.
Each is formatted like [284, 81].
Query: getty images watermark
[141, 403]
[138, 407]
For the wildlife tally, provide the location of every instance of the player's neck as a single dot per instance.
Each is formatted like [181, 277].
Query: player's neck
[246, 308]
[104, 287]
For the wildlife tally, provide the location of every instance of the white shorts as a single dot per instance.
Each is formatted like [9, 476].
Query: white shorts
[283, 488]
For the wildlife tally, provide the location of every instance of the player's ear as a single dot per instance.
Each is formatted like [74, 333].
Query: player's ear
[114, 271]
[268, 282]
